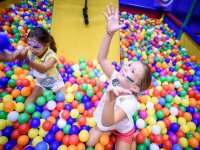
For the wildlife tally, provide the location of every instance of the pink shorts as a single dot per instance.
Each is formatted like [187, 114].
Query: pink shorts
[125, 137]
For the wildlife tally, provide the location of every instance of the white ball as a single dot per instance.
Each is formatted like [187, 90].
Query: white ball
[173, 111]
[154, 146]
[177, 84]
[51, 105]
[20, 47]
[160, 43]
[12, 116]
[150, 105]
[61, 123]
[75, 67]
[102, 78]
[155, 129]
[140, 123]
[155, 49]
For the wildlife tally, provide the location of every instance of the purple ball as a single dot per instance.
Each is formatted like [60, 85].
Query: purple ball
[143, 114]
[173, 138]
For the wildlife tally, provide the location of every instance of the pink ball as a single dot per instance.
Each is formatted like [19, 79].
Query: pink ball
[143, 114]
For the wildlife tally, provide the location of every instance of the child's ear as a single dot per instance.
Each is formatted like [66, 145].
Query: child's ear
[135, 89]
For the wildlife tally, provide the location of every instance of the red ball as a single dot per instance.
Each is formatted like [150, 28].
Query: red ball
[75, 103]
[24, 128]
[47, 125]
[25, 82]
[59, 136]
[66, 140]
[94, 98]
[101, 85]
[15, 134]
[109, 146]
[112, 139]
[163, 93]
[60, 106]
[73, 140]
[90, 113]
[167, 144]
[156, 93]
[140, 138]
[99, 94]
[19, 82]
[90, 64]
[16, 125]
[82, 120]
[180, 134]
[9, 89]
[96, 89]
[158, 139]
[55, 113]
[93, 82]
[65, 114]
[17, 147]
[158, 107]
[167, 122]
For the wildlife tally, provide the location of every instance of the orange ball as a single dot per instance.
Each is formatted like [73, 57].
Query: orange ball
[99, 146]
[187, 116]
[15, 93]
[104, 139]
[80, 108]
[26, 91]
[192, 102]
[145, 132]
[52, 119]
[9, 106]
[197, 136]
[1, 66]
[193, 142]
[18, 71]
[72, 147]
[81, 146]
[2, 74]
[23, 140]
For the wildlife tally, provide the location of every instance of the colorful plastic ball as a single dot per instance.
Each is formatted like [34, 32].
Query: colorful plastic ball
[23, 118]
[155, 129]
[13, 116]
[66, 128]
[61, 123]
[7, 131]
[90, 92]
[60, 97]
[104, 139]
[45, 114]
[140, 138]
[29, 147]
[183, 142]
[64, 114]
[54, 145]
[73, 140]
[82, 120]
[47, 125]
[32, 133]
[174, 111]
[74, 130]
[4, 42]
[69, 97]
[40, 101]
[83, 136]
[167, 144]
[30, 108]
[88, 105]
[140, 123]
[176, 147]
[62, 147]
[49, 137]
[9, 106]
[35, 122]
[51, 105]
[173, 138]
[193, 142]
[174, 127]
[23, 140]
[154, 146]
[143, 114]
[41, 146]
[74, 113]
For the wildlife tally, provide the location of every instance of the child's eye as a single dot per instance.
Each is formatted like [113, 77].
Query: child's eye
[133, 71]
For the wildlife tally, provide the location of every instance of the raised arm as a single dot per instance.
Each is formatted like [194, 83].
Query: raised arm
[112, 18]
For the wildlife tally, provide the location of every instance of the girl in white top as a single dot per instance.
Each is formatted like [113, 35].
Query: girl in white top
[118, 104]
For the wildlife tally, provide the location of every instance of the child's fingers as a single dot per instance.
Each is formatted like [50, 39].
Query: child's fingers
[108, 10]
[117, 13]
[112, 9]
[106, 16]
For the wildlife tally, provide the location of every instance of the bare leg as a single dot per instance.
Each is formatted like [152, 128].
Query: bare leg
[95, 134]
[37, 91]
[122, 145]
[133, 145]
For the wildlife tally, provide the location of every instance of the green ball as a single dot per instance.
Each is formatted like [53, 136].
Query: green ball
[30, 108]
[169, 98]
[147, 142]
[168, 105]
[198, 129]
[83, 72]
[25, 66]
[84, 86]
[162, 78]
[47, 93]
[189, 135]
[135, 116]
[83, 66]
[189, 148]
[9, 73]
[50, 98]
[36, 114]
[89, 148]
[183, 93]
[159, 114]
[66, 129]
[3, 94]
[185, 85]
[91, 75]
[81, 60]
[60, 66]
[182, 108]
[90, 92]
[78, 96]
[12, 83]
[3, 114]
[23, 118]
[141, 147]
[20, 98]
[41, 101]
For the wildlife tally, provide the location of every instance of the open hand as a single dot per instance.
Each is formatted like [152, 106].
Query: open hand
[112, 18]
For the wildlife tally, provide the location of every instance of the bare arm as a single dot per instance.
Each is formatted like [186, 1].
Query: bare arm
[112, 26]
[109, 116]
[42, 68]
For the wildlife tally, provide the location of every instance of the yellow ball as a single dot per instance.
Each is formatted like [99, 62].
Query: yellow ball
[164, 131]
[184, 128]
[7, 98]
[74, 113]
[90, 122]
[3, 140]
[161, 124]
[183, 142]
[33, 133]
[185, 102]
[172, 118]
[181, 121]
[191, 71]
[42, 132]
[41, 122]
[69, 97]
[69, 90]
[75, 87]
[8, 123]
[177, 100]
[151, 112]
[151, 121]
[14, 76]
[83, 135]
[36, 140]
[142, 106]
[77, 73]
[1, 106]
[2, 124]
[192, 126]
[29, 77]
[19, 107]
[62, 147]
[154, 100]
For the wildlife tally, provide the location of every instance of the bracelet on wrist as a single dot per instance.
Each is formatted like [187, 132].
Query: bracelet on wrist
[110, 33]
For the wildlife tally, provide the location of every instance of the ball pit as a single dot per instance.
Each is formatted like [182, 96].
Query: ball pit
[169, 113]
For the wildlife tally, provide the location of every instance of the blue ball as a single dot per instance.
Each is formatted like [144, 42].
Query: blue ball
[54, 145]
[74, 130]
[41, 146]
[60, 97]
[29, 147]
[35, 122]
[176, 147]
[49, 137]
[4, 42]
[174, 127]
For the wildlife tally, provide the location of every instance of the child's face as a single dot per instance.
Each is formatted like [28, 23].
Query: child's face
[36, 47]
[129, 75]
